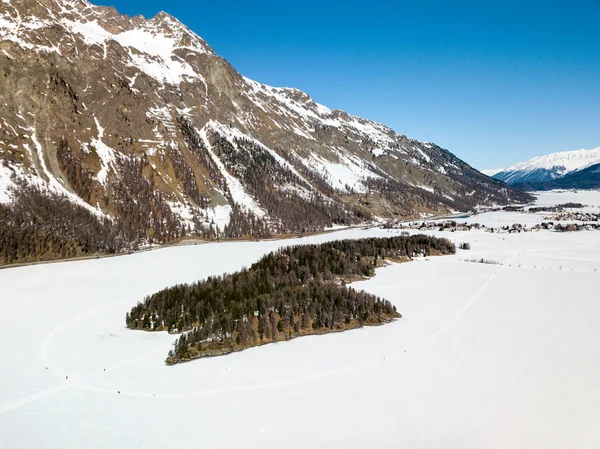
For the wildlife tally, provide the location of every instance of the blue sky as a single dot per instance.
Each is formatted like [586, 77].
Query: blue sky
[495, 82]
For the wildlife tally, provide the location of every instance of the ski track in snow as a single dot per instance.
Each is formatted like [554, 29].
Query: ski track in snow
[476, 350]
[458, 315]
[81, 382]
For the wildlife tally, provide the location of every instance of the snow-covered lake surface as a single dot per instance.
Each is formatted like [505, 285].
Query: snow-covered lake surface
[485, 356]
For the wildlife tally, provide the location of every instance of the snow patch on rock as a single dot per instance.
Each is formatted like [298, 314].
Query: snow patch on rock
[105, 153]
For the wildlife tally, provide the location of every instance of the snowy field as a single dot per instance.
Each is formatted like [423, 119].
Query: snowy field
[486, 356]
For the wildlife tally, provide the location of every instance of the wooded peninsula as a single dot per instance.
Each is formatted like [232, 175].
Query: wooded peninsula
[292, 292]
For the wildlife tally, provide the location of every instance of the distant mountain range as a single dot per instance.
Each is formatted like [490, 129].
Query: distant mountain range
[588, 178]
[569, 169]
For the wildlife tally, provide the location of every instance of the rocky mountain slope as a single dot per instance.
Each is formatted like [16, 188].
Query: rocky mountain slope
[140, 124]
[546, 168]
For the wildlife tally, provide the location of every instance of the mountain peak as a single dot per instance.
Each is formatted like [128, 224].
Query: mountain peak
[548, 167]
[30, 26]
[165, 17]
[138, 119]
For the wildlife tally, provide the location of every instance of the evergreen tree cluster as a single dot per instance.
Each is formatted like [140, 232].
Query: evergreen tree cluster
[298, 290]
[275, 187]
[557, 208]
[311, 175]
[246, 224]
[81, 179]
[42, 226]
[143, 214]
[197, 147]
[403, 196]
[185, 174]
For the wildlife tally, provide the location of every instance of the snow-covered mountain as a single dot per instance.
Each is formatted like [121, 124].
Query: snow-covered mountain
[587, 178]
[140, 123]
[547, 168]
[491, 171]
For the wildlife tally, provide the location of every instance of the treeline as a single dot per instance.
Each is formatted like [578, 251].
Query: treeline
[185, 174]
[280, 192]
[81, 179]
[557, 208]
[43, 226]
[142, 211]
[295, 291]
[290, 211]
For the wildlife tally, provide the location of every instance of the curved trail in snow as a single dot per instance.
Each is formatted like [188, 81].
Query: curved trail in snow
[464, 309]
[458, 315]
[54, 367]
[81, 382]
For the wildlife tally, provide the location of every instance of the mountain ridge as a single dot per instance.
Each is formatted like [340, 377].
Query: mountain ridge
[139, 121]
[540, 169]
[587, 178]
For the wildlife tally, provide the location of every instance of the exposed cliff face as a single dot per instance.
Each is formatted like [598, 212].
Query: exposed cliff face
[139, 120]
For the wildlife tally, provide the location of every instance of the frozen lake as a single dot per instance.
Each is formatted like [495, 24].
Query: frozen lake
[485, 356]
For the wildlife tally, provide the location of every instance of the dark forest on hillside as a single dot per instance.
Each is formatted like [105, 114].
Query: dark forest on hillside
[42, 226]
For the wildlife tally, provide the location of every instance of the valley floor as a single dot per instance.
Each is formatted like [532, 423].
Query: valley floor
[485, 356]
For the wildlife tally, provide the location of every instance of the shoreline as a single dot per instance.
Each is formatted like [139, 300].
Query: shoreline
[184, 242]
[193, 241]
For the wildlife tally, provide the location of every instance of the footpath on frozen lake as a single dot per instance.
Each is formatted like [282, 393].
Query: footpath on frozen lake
[486, 355]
